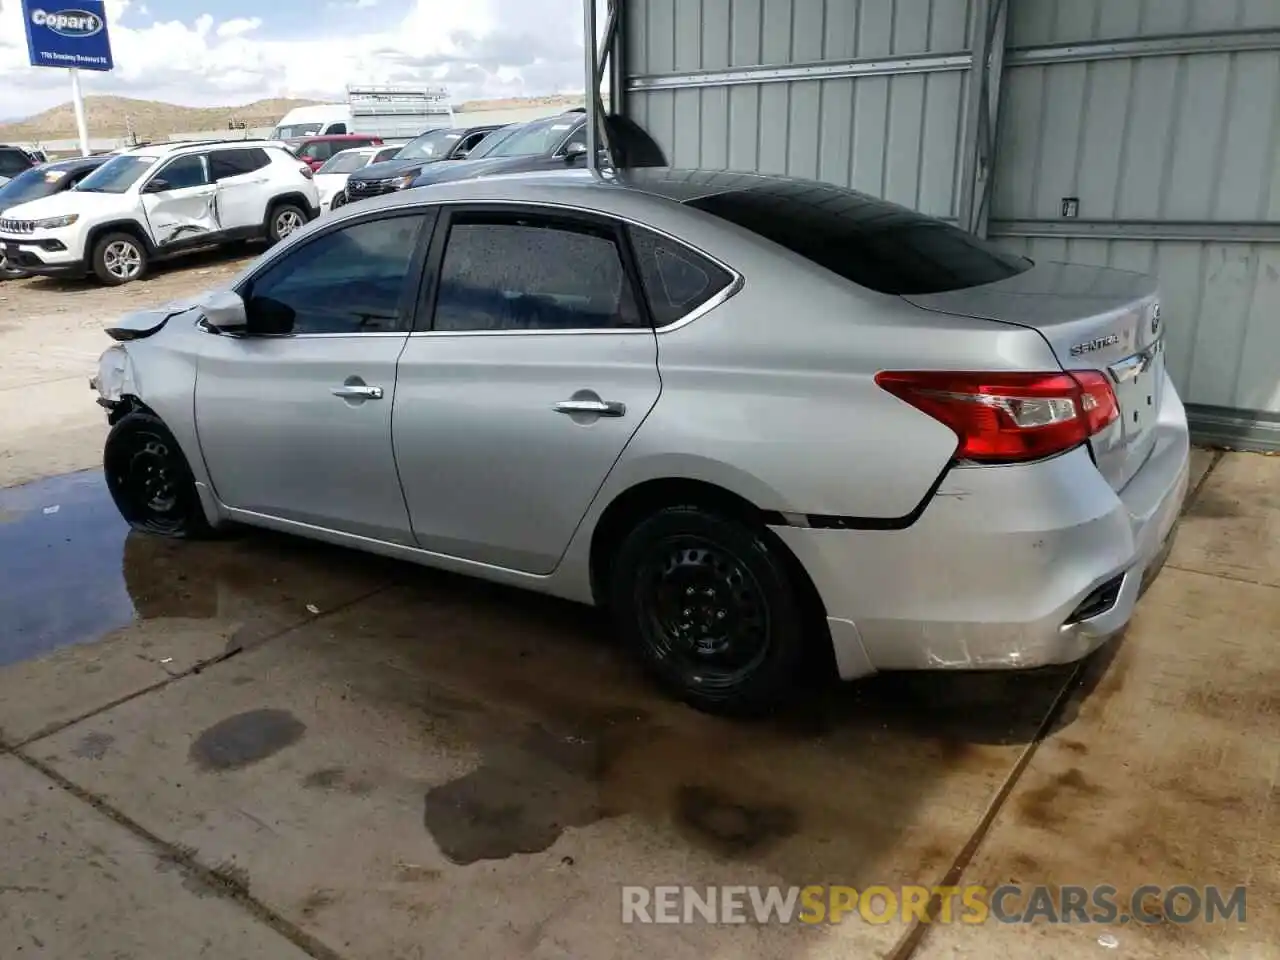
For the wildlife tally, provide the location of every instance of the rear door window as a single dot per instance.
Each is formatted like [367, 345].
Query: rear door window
[233, 163]
[873, 243]
[677, 280]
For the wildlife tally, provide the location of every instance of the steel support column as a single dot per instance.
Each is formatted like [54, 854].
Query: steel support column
[981, 112]
[600, 55]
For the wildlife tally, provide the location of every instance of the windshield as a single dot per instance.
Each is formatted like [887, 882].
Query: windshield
[430, 146]
[117, 175]
[292, 130]
[30, 185]
[531, 139]
[348, 161]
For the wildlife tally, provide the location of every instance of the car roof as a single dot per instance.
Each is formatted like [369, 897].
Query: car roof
[675, 185]
[72, 163]
[169, 149]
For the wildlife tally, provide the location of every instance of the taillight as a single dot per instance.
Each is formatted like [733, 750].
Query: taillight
[1007, 417]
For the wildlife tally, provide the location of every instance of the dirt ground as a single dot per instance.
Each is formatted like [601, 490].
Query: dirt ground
[262, 748]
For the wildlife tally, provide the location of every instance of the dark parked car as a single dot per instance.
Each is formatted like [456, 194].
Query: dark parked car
[42, 181]
[13, 161]
[400, 171]
[553, 143]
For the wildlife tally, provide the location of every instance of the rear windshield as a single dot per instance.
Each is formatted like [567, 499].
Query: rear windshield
[870, 242]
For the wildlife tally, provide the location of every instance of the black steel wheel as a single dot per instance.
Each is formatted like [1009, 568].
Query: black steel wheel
[708, 604]
[149, 479]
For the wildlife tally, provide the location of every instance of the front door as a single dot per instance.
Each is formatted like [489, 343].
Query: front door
[536, 370]
[294, 420]
[179, 202]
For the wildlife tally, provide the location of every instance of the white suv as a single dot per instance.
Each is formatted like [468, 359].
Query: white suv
[159, 201]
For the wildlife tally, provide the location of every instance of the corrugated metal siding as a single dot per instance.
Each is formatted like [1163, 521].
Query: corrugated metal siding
[1192, 138]
[893, 136]
[1038, 22]
[1221, 304]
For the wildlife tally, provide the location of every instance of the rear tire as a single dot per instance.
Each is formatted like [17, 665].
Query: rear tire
[150, 480]
[119, 258]
[284, 219]
[708, 605]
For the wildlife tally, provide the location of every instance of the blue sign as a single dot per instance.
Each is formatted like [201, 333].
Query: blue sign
[67, 33]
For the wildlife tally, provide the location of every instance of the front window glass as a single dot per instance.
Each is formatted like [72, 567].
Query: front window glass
[349, 281]
[117, 175]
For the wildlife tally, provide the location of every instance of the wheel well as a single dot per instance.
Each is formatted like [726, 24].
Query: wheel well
[297, 199]
[645, 499]
[130, 227]
[128, 404]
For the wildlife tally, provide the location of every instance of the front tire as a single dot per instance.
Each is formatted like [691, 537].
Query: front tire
[709, 606]
[284, 219]
[150, 481]
[119, 258]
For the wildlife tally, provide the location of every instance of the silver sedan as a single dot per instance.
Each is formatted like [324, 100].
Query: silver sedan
[753, 417]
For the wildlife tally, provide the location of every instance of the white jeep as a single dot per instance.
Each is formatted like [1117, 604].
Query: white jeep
[158, 201]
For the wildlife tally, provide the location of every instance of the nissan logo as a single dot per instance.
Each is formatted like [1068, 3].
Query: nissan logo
[76, 24]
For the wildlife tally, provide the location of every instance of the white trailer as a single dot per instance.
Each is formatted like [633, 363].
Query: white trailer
[398, 112]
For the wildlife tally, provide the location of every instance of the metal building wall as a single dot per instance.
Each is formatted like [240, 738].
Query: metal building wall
[1163, 118]
[716, 83]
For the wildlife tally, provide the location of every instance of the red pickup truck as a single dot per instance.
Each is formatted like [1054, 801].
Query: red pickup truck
[314, 151]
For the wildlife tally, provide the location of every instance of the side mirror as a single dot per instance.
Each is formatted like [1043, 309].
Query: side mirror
[158, 185]
[574, 150]
[224, 311]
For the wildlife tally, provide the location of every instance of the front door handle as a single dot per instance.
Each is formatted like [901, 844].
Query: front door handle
[353, 391]
[600, 408]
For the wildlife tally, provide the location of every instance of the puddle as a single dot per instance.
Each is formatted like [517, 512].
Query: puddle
[71, 572]
[61, 577]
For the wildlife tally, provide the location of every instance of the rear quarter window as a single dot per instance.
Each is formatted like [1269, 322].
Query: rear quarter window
[676, 280]
[870, 242]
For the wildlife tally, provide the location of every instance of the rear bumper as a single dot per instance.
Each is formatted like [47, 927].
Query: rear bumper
[1008, 567]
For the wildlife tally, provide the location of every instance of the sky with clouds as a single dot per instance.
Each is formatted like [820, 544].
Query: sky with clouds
[181, 51]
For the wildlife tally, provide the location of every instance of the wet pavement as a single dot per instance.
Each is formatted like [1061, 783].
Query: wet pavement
[381, 761]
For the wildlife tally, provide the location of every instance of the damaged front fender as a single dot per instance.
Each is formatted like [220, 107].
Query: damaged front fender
[116, 377]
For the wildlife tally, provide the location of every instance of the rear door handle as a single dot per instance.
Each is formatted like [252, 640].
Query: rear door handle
[350, 391]
[601, 408]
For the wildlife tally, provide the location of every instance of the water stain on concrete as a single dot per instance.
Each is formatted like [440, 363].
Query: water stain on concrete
[729, 826]
[93, 746]
[336, 778]
[245, 739]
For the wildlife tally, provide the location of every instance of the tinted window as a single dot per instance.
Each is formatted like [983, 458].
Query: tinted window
[295, 130]
[503, 273]
[184, 172]
[13, 162]
[873, 243]
[337, 128]
[116, 175]
[347, 281]
[234, 163]
[385, 154]
[676, 280]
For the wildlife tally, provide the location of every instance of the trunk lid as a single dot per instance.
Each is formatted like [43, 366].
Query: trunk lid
[1093, 318]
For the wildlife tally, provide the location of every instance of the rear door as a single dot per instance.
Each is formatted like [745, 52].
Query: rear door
[535, 367]
[240, 176]
[179, 202]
